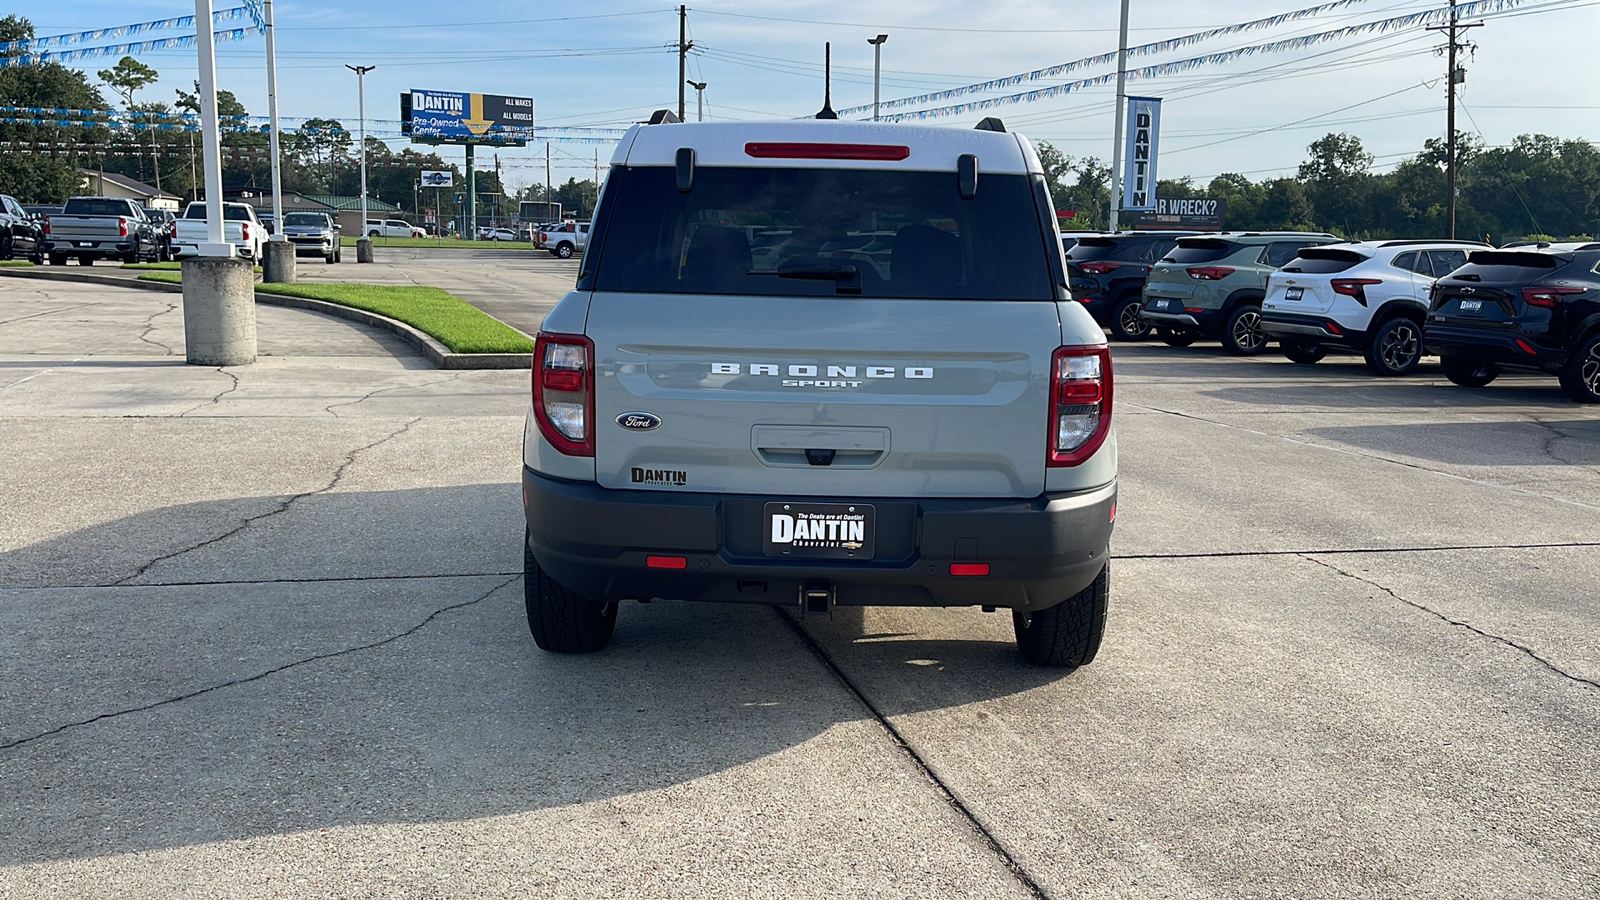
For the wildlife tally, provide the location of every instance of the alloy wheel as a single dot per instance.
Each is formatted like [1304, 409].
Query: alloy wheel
[1133, 322]
[1247, 331]
[1400, 346]
[1591, 369]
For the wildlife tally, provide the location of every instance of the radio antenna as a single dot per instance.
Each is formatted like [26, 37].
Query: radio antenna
[827, 83]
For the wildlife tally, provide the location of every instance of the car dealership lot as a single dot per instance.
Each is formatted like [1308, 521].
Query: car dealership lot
[261, 633]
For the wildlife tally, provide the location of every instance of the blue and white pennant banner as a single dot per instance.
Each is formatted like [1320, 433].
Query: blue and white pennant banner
[121, 31]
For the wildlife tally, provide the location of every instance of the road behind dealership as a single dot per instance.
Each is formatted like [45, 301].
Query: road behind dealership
[261, 635]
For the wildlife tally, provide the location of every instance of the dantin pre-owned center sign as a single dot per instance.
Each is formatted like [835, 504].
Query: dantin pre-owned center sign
[450, 117]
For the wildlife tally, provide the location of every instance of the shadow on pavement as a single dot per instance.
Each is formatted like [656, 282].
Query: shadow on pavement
[247, 703]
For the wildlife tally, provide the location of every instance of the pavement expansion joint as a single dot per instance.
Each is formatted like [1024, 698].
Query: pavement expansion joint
[218, 398]
[1372, 456]
[1332, 551]
[971, 819]
[1525, 650]
[282, 507]
[168, 701]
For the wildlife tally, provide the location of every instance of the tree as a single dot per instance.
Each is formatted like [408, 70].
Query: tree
[1337, 183]
[128, 76]
[49, 172]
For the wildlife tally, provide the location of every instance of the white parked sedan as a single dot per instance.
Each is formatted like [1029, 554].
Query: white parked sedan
[500, 234]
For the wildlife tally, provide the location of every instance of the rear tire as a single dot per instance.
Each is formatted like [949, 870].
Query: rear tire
[1395, 347]
[1468, 372]
[561, 621]
[1176, 338]
[1242, 335]
[7, 246]
[1302, 353]
[1580, 377]
[1126, 322]
[1068, 634]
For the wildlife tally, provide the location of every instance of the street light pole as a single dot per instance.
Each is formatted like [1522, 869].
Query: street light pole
[700, 98]
[877, 59]
[272, 113]
[364, 243]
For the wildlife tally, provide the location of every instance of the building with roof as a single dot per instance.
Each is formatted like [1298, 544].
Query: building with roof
[110, 184]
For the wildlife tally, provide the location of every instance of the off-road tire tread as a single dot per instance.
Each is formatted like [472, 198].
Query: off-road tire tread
[560, 620]
[1067, 635]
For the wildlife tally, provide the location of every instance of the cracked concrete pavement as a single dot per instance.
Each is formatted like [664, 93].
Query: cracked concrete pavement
[261, 635]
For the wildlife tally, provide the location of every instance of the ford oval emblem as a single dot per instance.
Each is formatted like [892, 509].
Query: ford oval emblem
[638, 421]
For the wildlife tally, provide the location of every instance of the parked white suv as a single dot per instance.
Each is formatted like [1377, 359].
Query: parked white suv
[1367, 297]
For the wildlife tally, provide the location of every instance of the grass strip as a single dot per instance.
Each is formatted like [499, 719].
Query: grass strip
[175, 266]
[449, 242]
[15, 263]
[455, 323]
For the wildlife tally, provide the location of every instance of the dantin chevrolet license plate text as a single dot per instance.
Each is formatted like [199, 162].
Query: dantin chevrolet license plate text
[819, 530]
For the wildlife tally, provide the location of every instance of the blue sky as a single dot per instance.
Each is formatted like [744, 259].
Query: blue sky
[605, 64]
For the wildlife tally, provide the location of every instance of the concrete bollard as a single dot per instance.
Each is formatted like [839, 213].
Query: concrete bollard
[364, 250]
[219, 311]
[277, 262]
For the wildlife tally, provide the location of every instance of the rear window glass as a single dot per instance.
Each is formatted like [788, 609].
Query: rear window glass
[1201, 251]
[1122, 250]
[96, 208]
[1498, 266]
[1318, 261]
[822, 232]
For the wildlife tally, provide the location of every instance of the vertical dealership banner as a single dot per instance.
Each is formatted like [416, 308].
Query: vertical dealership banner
[1139, 152]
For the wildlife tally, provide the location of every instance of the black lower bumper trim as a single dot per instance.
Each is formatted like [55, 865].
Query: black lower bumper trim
[595, 540]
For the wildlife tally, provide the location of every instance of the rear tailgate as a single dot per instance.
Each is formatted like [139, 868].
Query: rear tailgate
[753, 384]
[1487, 291]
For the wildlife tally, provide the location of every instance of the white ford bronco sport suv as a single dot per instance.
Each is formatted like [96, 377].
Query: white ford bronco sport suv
[810, 363]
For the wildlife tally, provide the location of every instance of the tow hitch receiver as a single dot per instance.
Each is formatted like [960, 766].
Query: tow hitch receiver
[816, 598]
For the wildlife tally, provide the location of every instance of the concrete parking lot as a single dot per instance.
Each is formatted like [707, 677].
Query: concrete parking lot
[261, 634]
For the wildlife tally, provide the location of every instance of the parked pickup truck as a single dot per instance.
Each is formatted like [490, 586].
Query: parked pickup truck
[393, 228]
[313, 234]
[91, 228]
[240, 227]
[566, 239]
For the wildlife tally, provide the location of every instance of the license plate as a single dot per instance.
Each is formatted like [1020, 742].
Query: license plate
[1160, 304]
[819, 530]
[1293, 293]
[1471, 305]
[86, 243]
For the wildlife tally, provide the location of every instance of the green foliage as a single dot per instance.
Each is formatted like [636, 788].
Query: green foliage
[44, 177]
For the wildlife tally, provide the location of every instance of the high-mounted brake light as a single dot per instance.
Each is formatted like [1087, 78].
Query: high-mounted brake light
[1547, 297]
[1098, 268]
[880, 152]
[1080, 403]
[563, 391]
[1209, 273]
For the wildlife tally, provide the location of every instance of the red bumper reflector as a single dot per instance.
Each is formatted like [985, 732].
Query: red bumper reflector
[666, 562]
[969, 568]
[1193, 309]
[1525, 348]
[1113, 512]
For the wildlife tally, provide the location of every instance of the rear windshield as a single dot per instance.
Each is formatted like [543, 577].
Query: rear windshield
[303, 219]
[822, 232]
[1201, 251]
[1322, 261]
[1108, 248]
[1496, 266]
[229, 213]
[93, 207]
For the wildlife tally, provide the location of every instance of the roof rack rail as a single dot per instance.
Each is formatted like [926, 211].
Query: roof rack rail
[1413, 241]
[991, 123]
[663, 117]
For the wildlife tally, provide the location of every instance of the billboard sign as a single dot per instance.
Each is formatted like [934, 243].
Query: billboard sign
[1139, 153]
[437, 179]
[449, 117]
[1185, 213]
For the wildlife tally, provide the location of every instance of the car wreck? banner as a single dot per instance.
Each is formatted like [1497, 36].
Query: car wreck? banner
[1139, 153]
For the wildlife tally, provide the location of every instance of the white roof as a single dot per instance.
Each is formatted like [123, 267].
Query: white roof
[932, 149]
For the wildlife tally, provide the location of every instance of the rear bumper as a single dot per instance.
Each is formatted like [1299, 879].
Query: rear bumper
[1205, 321]
[1311, 329]
[1507, 348]
[595, 541]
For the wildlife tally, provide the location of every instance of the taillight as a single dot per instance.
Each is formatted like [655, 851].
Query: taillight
[1354, 287]
[1098, 268]
[563, 391]
[122, 227]
[1080, 403]
[244, 230]
[47, 225]
[1209, 273]
[1547, 297]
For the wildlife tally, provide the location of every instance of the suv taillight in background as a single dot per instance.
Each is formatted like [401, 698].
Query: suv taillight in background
[1209, 273]
[1098, 268]
[1080, 403]
[563, 391]
[1547, 297]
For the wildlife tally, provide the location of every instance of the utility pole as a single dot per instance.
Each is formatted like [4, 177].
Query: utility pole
[363, 243]
[877, 59]
[1453, 75]
[1116, 140]
[549, 194]
[683, 55]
